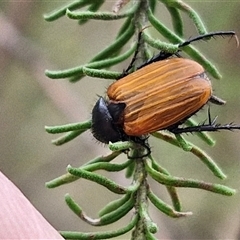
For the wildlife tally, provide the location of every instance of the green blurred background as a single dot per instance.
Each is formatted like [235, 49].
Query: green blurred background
[29, 101]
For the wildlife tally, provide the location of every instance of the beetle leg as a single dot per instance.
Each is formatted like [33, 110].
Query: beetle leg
[159, 57]
[130, 66]
[207, 36]
[212, 127]
[135, 53]
[143, 143]
[164, 55]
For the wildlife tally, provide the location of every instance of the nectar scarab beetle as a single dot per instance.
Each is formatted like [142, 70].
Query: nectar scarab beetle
[160, 95]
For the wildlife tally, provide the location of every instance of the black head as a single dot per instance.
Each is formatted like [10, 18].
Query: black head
[106, 121]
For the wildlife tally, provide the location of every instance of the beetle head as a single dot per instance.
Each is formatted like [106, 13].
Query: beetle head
[106, 121]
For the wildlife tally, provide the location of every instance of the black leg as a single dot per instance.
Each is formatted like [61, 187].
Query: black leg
[213, 127]
[207, 36]
[164, 55]
[143, 142]
[130, 66]
[136, 51]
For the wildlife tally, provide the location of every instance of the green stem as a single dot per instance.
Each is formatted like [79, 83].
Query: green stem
[191, 51]
[101, 180]
[69, 127]
[68, 178]
[207, 160]
[176, 20]
[171, 190]
[100, 235]
[188, 183]
[107, 16]
[68, 137]
[165, 208]
[112, 206]
[62, 11]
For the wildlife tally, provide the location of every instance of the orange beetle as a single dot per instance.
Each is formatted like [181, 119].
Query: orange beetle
[160, 95]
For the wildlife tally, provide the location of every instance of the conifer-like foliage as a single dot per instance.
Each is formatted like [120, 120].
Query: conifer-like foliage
[133, 199]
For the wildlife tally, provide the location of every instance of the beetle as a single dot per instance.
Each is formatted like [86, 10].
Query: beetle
[160, 95]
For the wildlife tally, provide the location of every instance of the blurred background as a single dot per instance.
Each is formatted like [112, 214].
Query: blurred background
[29, 101]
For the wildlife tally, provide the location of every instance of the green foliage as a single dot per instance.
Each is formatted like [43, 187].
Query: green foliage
[139, 193]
